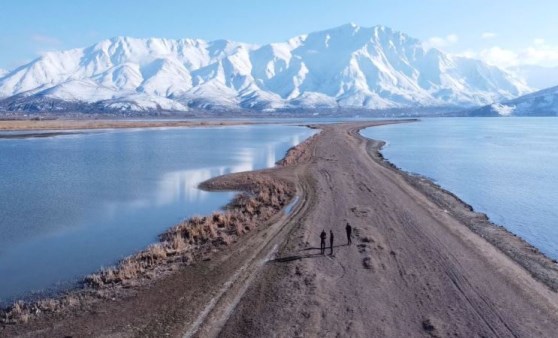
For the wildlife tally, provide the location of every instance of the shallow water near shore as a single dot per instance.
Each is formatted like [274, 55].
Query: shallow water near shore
[72, 204]
[504, 167]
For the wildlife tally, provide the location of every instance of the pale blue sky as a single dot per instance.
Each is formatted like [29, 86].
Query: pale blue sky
[507, 32]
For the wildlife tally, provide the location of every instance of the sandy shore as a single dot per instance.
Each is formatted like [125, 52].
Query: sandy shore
[422, 263]
[10, 125]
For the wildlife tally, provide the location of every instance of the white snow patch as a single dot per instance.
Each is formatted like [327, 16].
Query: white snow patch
[502, 109]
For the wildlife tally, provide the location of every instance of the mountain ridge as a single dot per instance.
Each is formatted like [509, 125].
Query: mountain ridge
[540, 103]
[348, 66]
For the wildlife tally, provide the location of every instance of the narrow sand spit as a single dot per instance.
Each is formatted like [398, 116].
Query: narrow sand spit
[421, 264]
[10, 125]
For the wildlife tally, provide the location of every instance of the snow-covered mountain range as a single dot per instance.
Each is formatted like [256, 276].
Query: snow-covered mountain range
[347, 66]
[541, 103]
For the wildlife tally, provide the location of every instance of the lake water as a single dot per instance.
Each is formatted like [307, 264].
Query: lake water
[504, 167]
[72, 204]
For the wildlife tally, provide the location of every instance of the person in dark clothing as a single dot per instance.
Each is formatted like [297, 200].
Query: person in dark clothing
[349, 230]
[331, 242]
[322, 242]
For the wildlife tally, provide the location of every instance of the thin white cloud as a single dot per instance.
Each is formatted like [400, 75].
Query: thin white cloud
[93, 34]
[44, 43]
[441, 42]
[543, 54]
[539, 53]
[488, 35]
[45, 40]
[452, 38]
[500, 57]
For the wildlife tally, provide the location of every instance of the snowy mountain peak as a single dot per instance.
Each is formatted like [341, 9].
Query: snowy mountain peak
[346, 66]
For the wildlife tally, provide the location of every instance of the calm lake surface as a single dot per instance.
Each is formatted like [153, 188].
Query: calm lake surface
[504, 167]
[72, 204]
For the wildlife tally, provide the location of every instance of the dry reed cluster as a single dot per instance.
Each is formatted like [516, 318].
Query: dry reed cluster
[196, 237]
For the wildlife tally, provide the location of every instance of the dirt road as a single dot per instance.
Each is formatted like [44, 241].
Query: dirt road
[414, 268]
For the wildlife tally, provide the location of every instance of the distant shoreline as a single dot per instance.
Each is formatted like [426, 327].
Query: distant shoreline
[34, 135]
[28, 125]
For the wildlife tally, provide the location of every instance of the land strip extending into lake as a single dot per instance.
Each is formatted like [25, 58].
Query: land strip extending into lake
[12, 125]
[421, 263]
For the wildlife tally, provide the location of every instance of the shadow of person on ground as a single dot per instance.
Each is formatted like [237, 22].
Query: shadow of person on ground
[335, 246]
[310, 255]
[294, 258]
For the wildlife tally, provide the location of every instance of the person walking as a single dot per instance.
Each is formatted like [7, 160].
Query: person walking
[349, 230]
[322, 242]
[330, 243]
